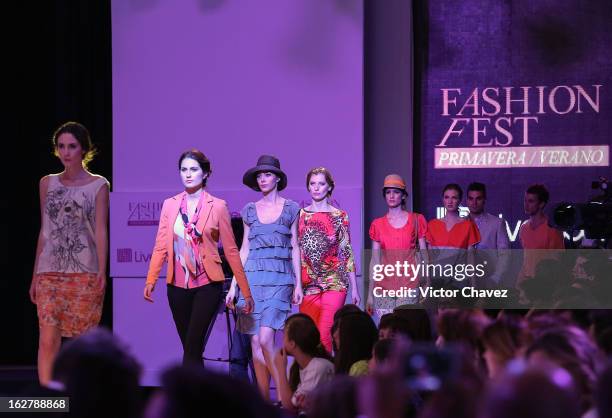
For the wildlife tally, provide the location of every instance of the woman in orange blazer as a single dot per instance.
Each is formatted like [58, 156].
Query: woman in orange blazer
[190, 226]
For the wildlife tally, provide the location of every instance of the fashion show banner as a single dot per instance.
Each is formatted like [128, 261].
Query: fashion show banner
[513, 93]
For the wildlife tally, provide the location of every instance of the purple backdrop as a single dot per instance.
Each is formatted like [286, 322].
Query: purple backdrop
[235, 79]
[478, 54]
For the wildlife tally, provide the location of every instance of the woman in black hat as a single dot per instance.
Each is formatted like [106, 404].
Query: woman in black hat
[271, 259]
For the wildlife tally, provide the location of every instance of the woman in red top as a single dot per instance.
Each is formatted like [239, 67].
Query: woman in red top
[328, 266]
[395, 237]
[453, 232]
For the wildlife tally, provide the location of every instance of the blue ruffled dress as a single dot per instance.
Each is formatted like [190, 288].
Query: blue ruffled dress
[268, 269]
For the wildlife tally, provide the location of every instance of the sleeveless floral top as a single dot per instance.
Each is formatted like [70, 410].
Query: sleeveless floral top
[68, 226]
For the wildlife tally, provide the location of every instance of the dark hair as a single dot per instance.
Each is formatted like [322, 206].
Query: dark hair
[202, 160]
[188, 389]
[349, 308]
[382, 349]
[301, 329]
[344, 310]
[337, 399]
[358, 334]
[505, 337]
[463, 326]
[540, 191]
[532, 393]
[81, 134]
[477, 187]
[571, 348]
[453, 186]
[396, 325]
[328, 178]
[415, 323]
[94, 368]
[386, 321]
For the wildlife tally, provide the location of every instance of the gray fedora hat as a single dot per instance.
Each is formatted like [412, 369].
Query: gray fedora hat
[265, 163]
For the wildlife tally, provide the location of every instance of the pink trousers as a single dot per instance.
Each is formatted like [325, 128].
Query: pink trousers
[321, 308]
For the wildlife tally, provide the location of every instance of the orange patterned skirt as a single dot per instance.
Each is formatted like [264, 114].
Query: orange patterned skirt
[71, 302]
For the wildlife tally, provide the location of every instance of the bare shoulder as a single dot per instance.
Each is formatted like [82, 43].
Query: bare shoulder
[43, 186]
[95, 177]
[44, 180]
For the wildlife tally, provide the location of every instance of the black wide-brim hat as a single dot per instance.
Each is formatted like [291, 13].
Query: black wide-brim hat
[265, 164]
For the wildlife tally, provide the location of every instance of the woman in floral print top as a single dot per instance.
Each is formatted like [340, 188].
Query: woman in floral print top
[328, 266]
[327, 256]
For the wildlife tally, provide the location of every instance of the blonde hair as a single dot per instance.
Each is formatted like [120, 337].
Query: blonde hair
[328, 178]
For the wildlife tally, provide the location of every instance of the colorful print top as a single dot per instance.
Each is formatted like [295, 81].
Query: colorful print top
[68, 226]
[184, 278]
[327, 256]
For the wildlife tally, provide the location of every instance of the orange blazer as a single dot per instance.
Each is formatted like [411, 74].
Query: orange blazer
[214, 223]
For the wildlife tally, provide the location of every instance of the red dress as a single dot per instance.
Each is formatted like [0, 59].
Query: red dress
[398, 244]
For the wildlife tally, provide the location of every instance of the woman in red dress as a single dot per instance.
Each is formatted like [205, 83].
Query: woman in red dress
[328, 266]
[395, 237]
[455, 236]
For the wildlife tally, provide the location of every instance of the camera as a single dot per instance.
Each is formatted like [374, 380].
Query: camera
[594, 217]
[427, 367]
[601, 184]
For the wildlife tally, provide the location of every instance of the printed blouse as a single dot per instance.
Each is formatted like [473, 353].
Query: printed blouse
[326, 253]
[68, 226]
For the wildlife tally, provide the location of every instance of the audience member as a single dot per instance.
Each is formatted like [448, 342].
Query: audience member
[533, 393]
[503, 341]
[311, 367]
[191, 392]
[99, 375]
[336, 399]
[569, 347]
[355, 336]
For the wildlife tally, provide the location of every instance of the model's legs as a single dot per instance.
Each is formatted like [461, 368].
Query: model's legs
[266, 341]
[180, 301]
[261, 370]
[331, 301]
[311, 306]
[49, 343]
[206, 302]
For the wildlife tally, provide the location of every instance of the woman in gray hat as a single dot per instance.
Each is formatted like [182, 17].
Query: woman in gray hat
[271, 259]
